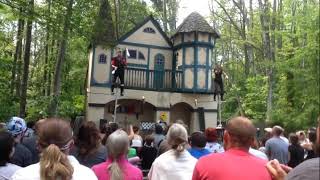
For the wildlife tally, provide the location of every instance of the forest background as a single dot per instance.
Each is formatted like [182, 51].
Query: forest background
[268, 48]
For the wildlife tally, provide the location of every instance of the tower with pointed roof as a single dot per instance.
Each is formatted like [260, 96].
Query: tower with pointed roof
[193, 43]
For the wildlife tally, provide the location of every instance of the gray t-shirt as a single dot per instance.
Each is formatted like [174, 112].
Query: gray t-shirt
[31, 144]
[276, 148]
[7, 171]
[157, 140]
[21, 156]
[308, 170]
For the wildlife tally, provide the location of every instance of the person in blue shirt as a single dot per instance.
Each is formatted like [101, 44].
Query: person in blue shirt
[198, 143]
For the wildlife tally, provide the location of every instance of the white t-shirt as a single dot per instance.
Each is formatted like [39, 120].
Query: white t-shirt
[214, 147]
[136, 141]
[258, 154]
[8, 170]
[169, 166]
[32, 172]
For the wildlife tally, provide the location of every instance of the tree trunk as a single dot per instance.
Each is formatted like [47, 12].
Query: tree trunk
[60, 60]
[267, 52]
[24, 84]
[46, 56]
[116, 18]
[165, 19]
[16, 69]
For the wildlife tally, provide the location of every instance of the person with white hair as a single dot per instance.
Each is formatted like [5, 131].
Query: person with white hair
[176, 163]
[117, 166]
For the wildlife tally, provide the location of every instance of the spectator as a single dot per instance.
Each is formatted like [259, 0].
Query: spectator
[277, 148]
[117, 166]
[310, 147]
[302, 137]
[307, 170]
[158, 136]
[198, 143]
[88, 148]
[253, 150]
[177, 163]
[6, 148]
[22, 155]
[136, 141]
[262, 148]
[31, 142]
[148, 153]
[110, 128]
[296, 152]
[55, 141]
[212, 144]
[236, 162]
[30, 129]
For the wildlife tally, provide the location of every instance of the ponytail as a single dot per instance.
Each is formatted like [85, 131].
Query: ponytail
[55, 164]
[115, 172]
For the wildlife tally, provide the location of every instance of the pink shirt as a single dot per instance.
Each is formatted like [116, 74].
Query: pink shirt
[130, 172]
[230, 165]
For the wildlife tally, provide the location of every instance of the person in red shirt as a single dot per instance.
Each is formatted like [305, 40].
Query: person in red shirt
[236, 162]
[118, 64]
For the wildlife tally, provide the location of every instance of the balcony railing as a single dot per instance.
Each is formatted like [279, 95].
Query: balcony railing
[165, 80]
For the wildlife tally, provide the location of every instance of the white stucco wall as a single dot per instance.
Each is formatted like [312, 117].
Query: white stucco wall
[147, 38]
[201, 78]
[202, 56]
[189, 37]
[189, 56]
[188, 78]
[101, 71]
[203, 37]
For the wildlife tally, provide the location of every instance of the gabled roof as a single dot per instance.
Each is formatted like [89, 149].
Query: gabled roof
[156, 24]
[195, 23]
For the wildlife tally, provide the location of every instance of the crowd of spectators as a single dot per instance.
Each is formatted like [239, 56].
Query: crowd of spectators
[49, 149]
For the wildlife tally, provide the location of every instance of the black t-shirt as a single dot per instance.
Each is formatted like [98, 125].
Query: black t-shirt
[148, 154]
[296, 155]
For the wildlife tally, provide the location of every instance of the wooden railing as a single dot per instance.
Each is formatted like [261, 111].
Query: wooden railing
[165, 80]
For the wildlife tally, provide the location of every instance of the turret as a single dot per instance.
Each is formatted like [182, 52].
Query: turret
[193, 43]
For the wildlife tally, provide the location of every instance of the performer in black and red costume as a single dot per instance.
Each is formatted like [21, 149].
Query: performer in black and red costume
[118, 64]
[218, 83]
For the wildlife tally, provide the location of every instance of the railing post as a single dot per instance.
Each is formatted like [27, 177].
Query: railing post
[147, 78]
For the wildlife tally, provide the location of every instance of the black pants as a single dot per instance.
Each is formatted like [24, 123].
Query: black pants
[119, 73]
[218, 89]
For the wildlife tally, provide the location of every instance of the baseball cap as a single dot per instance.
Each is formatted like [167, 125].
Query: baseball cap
[16, 126]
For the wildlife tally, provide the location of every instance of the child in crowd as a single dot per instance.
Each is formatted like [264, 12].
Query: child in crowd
[148, 153]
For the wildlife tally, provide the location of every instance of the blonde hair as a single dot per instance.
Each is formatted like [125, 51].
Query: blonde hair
[117, 146]
[54, 163]
[177, 137]
[55, 136]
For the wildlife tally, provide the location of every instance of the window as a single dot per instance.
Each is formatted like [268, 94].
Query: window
[159, 59]
[134, 54]
[102, 59]
[141, 56]
[149, 30]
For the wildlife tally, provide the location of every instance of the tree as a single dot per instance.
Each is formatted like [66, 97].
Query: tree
[26, 61]
[60, 60]
[104, 36]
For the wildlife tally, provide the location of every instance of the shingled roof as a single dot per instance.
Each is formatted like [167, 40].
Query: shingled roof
[195, 23]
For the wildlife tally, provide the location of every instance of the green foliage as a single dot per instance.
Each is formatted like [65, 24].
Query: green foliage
[296, 97]
[50, 25]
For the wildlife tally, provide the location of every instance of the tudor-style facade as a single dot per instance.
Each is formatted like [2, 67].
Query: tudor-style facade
[165, 77]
